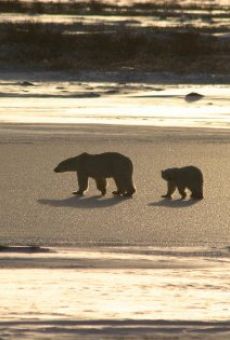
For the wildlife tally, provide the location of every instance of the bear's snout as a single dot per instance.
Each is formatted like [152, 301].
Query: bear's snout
[56, 169]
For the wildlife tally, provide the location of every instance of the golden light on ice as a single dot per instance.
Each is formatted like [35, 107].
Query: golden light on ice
[114, 293]
[167, 107]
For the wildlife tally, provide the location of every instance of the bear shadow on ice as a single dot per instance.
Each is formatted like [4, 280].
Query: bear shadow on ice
[178, 203]
[82, 202]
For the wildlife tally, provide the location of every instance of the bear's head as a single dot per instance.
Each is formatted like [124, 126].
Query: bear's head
[169, 174]
[71, 164]
[64, 166]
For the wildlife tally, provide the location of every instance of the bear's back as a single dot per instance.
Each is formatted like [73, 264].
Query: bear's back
[189, 174]
[107, 158]
[107, 164]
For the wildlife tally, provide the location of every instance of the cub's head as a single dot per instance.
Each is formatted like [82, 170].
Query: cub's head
[169, 174]
[71, 164]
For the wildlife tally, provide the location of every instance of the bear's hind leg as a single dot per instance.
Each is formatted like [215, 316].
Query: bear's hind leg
[125, 187]
[197, 192]
[120, 187]
[101, 185]
[129, 188]
[197, 195]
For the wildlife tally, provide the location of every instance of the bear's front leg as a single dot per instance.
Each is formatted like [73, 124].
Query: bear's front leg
[78, 193]
[82, 183]
[167, 196]
[120, 186]
[171, 189]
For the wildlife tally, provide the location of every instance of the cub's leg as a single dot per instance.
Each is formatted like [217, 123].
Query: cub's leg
[171, 189]
[101, 185]
[197, 194]
[82, 183]
[181, 189]
[197, 191]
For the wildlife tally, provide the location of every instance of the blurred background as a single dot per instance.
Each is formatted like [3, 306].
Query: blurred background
[180, 36]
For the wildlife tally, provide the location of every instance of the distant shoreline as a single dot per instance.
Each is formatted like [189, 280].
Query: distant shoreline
[124, 75]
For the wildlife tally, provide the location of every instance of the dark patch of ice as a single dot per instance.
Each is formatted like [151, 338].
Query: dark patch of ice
[26, 83]
[24, 249]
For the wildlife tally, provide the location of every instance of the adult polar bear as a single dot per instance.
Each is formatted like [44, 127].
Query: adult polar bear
[99, 167]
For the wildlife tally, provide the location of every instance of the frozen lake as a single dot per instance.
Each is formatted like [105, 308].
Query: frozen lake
[108, 288]
[69, 292]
